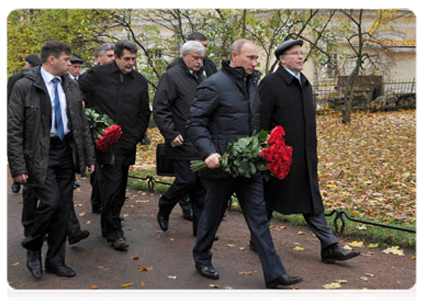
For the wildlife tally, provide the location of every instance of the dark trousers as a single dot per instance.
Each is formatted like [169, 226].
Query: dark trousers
[55, 203]
[186, 184]
[112, 181]
[250, 196]
[96, 203]
[319, 226]
[29, 208]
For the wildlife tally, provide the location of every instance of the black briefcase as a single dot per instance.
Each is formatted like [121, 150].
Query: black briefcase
[164, 165]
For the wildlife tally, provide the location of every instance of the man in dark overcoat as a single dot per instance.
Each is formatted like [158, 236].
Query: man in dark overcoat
[225, 108]
[119, 91]
[171, 106]
[287, 100]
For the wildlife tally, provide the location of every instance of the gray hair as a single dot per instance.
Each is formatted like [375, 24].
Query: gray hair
[195, 46]
[105, 47]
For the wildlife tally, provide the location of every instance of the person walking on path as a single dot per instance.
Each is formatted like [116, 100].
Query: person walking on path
[48, 139]
[119, 91]
[172, 103]
[287, 100]
[225, 108]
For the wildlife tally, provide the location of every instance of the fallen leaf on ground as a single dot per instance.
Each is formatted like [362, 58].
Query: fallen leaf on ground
[94, 287]
[230, 245]
[126, 285]
[143, 268]
[370, 274]
[356, 244]
[142, 284]
[363, 290]
[298, 248]
[135, 257]
[214, 286]
[394, 250]
[364, 278]
[333, 285]
[278, 227]
[172, 277]
[245, 272]
[301, 233]
[82, 214]
[371, 246]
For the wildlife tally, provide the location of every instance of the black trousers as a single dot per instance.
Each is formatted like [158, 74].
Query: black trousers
[186, 184]
[30, 202]
[250, 196]
[96, 203]
[112, 181]
[55, 203]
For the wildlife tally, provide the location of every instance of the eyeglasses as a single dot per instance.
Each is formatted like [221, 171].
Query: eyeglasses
[296, 53]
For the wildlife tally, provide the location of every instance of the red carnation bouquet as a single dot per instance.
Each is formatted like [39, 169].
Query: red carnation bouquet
[263, 152]
[105, 132]
[278, 155]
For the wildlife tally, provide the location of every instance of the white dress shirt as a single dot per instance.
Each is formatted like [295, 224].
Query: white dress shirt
[48, 80]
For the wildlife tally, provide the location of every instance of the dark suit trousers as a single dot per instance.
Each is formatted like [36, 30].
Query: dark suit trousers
[250, 196]
[96, 203]
[30, 202]
[112, 182]
[55, 203]
[321, 229]
[186, 184]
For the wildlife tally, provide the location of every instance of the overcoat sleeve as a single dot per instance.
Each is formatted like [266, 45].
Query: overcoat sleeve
[166, 93]
[144, 112]
[15, 131]
[266, 104]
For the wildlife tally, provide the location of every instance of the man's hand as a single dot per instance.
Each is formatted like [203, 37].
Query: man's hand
[91, 168]
[22, 178]
[177, 141]
[212, 161]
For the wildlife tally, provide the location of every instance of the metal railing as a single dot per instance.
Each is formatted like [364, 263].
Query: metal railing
[339, 214]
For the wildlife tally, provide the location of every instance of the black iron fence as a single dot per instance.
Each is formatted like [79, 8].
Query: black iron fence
[371, 93]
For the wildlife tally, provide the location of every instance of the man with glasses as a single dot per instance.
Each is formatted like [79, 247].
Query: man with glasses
[287, 100]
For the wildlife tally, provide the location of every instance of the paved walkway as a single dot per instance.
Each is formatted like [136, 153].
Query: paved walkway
[163, 260]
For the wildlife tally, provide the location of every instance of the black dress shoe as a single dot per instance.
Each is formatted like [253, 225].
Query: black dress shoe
[163, 220]
[16, 187]
[77, 235]
[62, 271]
[33, 262]
[120, 244]
[283, 282]
[207, 271]
[333, 253]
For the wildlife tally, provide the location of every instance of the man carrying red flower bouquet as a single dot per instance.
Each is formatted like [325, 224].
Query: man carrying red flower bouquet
[226, 108]
[120, 92]
[287, 100]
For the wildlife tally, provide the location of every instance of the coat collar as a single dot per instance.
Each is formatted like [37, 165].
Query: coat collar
[289, 78]
[239, 72]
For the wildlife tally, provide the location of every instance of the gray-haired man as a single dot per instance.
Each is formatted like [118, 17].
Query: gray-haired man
[172, 103]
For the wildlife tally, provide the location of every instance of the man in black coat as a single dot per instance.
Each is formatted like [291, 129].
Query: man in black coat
[172, 103]
[209, 67]
[48, 140]
[287, 100]
[120, 92]
[225, 108]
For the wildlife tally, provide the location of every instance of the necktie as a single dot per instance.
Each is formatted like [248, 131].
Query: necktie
[58, 122]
